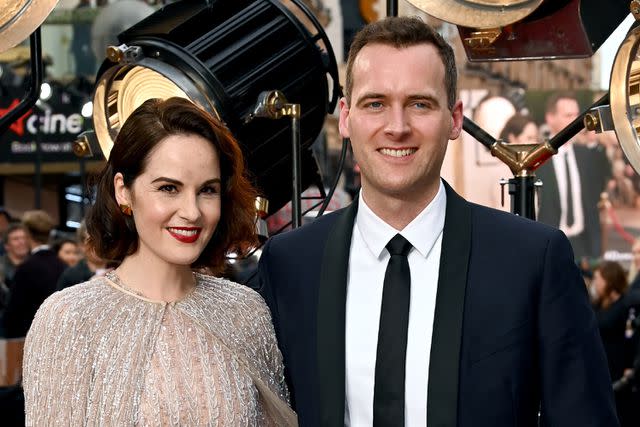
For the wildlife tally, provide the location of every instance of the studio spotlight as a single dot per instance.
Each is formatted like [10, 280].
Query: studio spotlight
[478, 13]
[623, 113]
[223, 55]
[498, 30]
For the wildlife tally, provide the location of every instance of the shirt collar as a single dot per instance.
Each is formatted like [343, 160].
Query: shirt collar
[422, 232]
[39, 248]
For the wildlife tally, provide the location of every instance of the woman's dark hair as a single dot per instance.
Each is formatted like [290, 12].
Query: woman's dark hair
[113, 235]
[615, 278]
[59, 243]
[515, 126]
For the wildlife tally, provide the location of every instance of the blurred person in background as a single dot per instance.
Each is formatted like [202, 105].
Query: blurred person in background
[90, 264]
[5, 220]
[520, 129]
[67, 250]
[634, 277]
[573, 180]
[16, 251]
[609, 287]
[35, 278]
[16, 248]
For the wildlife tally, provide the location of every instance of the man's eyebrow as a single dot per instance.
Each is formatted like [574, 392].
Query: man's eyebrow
[369, 95]
[424, 97]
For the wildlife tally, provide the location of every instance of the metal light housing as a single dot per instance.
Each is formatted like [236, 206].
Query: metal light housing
[222, 55]
[624, 92]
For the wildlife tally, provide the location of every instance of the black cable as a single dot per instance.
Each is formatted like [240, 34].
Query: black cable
[343, 156]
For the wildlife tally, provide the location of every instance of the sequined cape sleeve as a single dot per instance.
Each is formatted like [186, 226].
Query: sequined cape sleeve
[249, 330]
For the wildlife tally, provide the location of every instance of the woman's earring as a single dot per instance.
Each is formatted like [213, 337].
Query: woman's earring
[126, 209]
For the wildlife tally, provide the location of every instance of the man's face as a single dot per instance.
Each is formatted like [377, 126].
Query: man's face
[16, 244]
[398, 119]
[566, 111]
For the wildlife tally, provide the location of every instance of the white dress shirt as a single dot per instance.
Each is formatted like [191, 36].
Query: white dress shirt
[559, 166]
[368, 260]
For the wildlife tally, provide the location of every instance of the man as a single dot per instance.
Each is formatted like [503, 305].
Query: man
[16, 249]
[573, 180]
[495, 324]
[35, 278]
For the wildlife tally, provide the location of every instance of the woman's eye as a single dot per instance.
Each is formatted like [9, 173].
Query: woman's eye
[209, 189]
[169, 188]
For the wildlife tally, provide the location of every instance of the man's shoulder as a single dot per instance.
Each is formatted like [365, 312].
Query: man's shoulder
[319, 228]
[497, 221]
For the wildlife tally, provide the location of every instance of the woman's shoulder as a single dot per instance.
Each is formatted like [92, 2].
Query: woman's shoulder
[227, 290]
[226, 301]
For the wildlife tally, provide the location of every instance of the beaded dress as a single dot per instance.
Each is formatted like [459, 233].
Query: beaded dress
[99, 353]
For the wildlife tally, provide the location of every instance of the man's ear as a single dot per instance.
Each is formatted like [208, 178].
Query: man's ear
[343, 126]
[122, 193]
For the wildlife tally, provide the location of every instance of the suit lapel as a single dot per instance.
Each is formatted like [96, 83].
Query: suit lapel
[442, 400]
[332, 296]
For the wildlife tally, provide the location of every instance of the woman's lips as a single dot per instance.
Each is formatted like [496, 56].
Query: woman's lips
[185, 234]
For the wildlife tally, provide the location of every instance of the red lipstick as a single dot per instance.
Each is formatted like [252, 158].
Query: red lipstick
[192, 233]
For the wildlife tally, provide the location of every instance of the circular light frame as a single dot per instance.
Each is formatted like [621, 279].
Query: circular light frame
[481, 14]
[624, 92]
[113, 100]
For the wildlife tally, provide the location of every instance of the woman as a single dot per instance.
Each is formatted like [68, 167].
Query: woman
[520, 129]
[67, 251]
[153, 342]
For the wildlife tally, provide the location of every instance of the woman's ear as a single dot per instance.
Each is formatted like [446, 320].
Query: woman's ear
[122, 193]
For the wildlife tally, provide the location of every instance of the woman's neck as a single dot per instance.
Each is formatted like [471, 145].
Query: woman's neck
[155, 279]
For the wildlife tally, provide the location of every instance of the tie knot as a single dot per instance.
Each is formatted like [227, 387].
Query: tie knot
[399, 246]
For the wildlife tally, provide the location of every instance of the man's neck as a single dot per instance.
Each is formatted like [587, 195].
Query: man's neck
[399, 210]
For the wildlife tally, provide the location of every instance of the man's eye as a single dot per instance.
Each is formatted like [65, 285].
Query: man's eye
[375, 104]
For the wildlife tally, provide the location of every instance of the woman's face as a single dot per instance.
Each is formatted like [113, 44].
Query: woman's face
[68, 253]
[176, 200]
[599, 284]
[529, 135]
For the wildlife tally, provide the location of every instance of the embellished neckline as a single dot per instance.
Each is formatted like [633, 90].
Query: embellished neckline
[115, 281]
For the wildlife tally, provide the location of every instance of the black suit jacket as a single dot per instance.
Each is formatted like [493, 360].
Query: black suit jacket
[594, 170]
[513, 327]
[34, 281]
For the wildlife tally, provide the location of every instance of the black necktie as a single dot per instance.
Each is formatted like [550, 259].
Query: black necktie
[570, 217]
[388, 396]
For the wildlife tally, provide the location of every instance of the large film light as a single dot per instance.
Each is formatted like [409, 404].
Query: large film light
[624, 95]
[222, 55]
[478, 13]
[19, 18]
[498, 30]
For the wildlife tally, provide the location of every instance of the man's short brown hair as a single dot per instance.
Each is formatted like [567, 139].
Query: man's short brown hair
[38, 224]
[403, 32]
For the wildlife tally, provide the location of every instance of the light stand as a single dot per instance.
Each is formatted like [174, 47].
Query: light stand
[33, 92]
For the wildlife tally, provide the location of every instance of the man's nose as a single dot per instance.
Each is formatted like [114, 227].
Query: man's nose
[397, 122]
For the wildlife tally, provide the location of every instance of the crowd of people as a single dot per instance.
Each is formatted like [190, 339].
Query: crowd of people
[34, 264]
